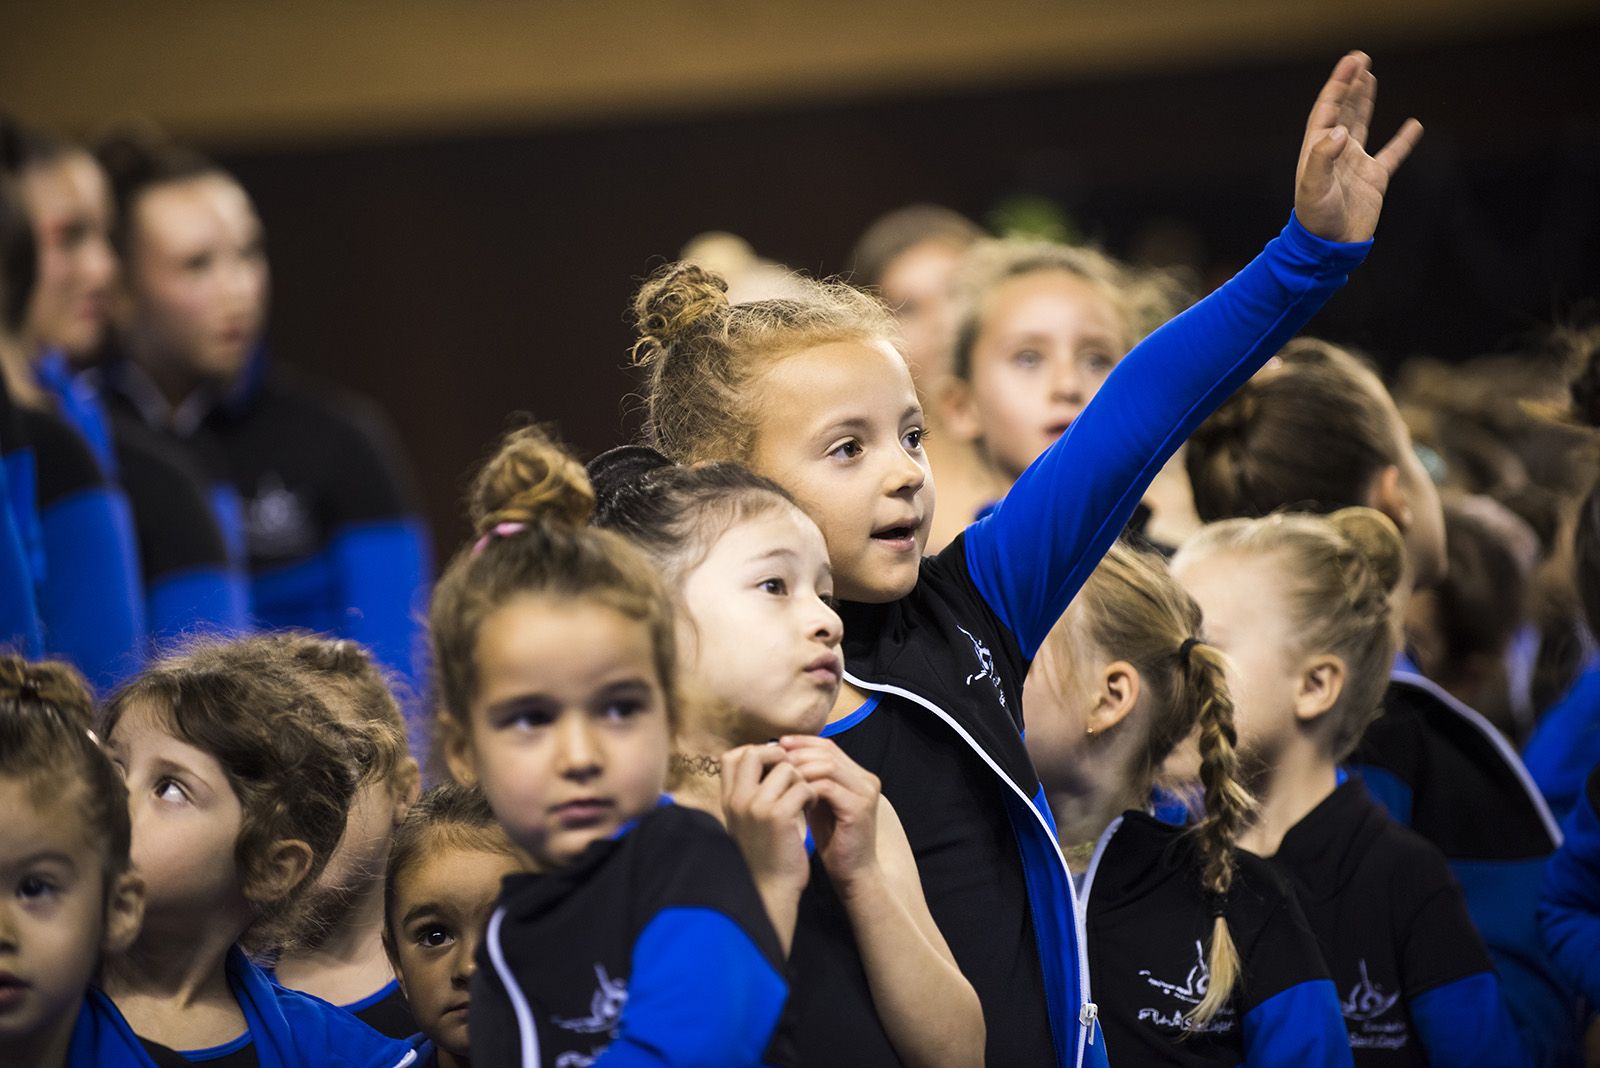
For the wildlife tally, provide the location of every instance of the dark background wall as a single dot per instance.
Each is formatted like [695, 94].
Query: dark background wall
[459, 277]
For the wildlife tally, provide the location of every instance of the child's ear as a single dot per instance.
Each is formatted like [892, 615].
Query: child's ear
[453, 744]
[405, 786]
[124, 913]
[1321, 683]
[1117, 695]
[284, 867]
[1388, 496]
[959, 409]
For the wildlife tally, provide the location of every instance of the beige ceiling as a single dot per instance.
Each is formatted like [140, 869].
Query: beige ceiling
[244, 71]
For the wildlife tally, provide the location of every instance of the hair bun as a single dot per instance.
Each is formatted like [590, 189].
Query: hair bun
[530, 480]
[48, 684]
[1378, 541]
[618, 470]
[677, 300]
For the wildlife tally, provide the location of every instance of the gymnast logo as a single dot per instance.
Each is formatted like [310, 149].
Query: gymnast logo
[278, 520]
[1363, 1011]
[985, 664]
[1192, 991]
[1195, 984]
[605, 1007]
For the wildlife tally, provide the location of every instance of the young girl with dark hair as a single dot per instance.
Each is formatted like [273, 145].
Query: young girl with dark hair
[446, 865]
[308, 484]
[1198, 950]
[814, 395]
[67, 896]
[873, 980]
[1303, 607]
[239, 783]
[640, 935]
[1317, 431]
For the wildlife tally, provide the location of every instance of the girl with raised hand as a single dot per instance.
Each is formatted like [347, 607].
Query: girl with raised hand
[1303, 607]
[1317, 431]
[814, 395]
[239, 782]
[640, 937]
[445, 870]
[873, 980]
[1199, 952]
[67, 896]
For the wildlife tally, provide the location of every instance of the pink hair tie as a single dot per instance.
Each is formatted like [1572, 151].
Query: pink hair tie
[499, 530]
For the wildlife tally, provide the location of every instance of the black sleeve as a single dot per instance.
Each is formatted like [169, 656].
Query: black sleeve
[1438, 942]
[171, 512]
[65, 464]
[1281, 951]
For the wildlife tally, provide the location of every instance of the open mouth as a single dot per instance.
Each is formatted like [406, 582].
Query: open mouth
[907, 532]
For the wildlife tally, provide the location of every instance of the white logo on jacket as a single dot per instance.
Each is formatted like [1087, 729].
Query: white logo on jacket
[1192, 991]
[1363, 1008]
[605, 1007]
[985, 664]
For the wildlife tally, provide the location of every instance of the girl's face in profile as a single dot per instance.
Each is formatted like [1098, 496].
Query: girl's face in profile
[1047, 340]
[568, 736]
[70, 208]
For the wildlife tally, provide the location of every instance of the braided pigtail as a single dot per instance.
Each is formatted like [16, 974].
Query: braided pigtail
[1228, 807]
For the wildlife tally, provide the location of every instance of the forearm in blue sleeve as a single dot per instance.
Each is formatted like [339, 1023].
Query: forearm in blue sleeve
[1301, 1025]
[90, 602]
[383, 576]
[1031, 554]
[1569, 907]
[1465, 1024]
[701, 993]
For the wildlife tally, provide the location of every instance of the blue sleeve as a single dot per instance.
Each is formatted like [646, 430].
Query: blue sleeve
[1566, 744]
[1569, 908]
[205, 601]
[1301, 1025]
[382, 570]
[19, 612]
[1465, 1024]
[22, 492]
[1031, 554]
[90, 602]
[702, 994]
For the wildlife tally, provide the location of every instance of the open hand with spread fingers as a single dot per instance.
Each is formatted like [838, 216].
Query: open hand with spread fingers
[1339, 187]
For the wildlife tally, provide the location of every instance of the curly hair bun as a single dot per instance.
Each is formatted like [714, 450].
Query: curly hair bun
[530, 480]
[1378, 541]
[616, 471]
[677, 301]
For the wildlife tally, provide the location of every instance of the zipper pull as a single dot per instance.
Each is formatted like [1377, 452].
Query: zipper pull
[1087, 1017]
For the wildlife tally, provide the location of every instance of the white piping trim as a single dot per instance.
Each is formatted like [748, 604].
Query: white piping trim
[409, 1058]
[1498, 740]
[1094, 866]
[527, 1031]
[1072, 896]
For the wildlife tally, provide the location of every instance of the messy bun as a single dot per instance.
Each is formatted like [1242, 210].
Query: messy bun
[530, 480]
[704, 354]
[1309, 431]
[1378, 541]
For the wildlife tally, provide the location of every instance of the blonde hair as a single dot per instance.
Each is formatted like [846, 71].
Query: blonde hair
[1339, 573]
[1131, 608]
[1143, 298]
[530, 505]
[704, 353]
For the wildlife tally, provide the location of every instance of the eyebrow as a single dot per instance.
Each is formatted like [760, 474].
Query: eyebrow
[417, 912]
[50, 856]
[772, 554]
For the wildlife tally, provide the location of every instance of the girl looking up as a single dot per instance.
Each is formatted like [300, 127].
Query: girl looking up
[1199, 950]
[814, 395]
[67, 896]
[874, 982]
[641, 934]
[1302, 606]
[239, 784]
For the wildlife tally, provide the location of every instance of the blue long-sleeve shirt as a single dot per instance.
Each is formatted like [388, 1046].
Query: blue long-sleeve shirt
[1566, 744]
[1569, 908]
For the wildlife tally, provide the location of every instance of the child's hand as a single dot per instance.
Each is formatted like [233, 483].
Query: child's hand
[764, 801]
[844, 819]
[1338, 189]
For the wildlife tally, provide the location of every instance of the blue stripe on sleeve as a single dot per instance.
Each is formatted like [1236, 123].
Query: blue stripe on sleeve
[701, 993]
[1569, 909]
[1302, 1026]
[19, 612]
[1032, 553]
[22, 478]
[90, 603]
[381, 570]
[1465, 1024]
[204, 601]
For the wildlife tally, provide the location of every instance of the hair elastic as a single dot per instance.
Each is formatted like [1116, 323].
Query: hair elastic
[1183, 650]
[499, 530]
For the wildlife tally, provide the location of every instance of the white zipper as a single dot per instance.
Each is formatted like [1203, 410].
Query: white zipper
[1086, 1006]
[1091, 1011]
[527, 1030]
[1496, 739]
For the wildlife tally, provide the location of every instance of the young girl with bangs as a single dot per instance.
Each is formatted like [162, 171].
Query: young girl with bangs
[239, 783]
[1199, 951]
[1302, 606]
[67, 896]
[814, 395]
[1317, 431]
[639, 935]
[873, 980]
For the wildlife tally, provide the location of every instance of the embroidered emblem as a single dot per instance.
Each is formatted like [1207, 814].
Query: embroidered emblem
[1191, 992]
[605, 1007]
[986, 668]
[278, 520]
[1363, 1010]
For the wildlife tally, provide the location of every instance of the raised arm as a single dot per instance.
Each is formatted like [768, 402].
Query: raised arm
[1031, 554]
